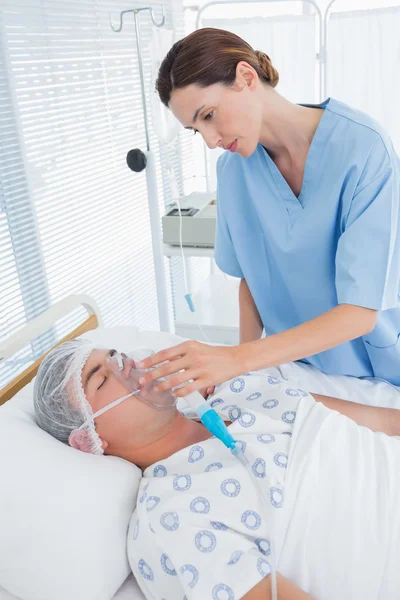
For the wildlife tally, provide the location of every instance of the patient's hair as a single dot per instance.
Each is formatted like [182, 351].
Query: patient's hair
[58, 396]
[208, 56]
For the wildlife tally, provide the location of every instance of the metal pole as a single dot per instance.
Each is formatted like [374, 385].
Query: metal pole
[326, 21]
[224, 2]
[157, 243]
[151, 177]
[141, 73]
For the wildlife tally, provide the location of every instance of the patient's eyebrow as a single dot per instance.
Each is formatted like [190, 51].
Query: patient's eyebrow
[91, 373]
[95, 369]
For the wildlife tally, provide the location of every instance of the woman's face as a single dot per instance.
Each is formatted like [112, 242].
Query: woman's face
[226, 117]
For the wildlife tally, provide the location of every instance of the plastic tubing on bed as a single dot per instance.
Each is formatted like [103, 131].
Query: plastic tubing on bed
[265, 502]
[215, 425]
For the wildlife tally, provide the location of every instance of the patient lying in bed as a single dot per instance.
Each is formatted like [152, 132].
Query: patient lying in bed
[200, 530]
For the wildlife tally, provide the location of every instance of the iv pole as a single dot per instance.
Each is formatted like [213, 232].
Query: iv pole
[137, 161]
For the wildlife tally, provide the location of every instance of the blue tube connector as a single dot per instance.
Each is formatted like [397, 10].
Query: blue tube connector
[213, 422]
[190, 303]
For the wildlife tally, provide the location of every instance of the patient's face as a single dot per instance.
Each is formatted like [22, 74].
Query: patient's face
[133, 420]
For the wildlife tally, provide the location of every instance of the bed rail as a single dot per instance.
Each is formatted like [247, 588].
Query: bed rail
[40, 325]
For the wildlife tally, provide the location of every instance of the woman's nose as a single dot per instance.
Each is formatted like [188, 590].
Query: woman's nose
[212, 140]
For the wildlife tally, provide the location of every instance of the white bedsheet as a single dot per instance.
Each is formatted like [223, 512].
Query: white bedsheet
[5, 595]
[128, 591]
[341, 521]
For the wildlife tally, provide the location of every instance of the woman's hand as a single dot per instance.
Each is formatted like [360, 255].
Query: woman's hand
[205, 392]
[204, 365]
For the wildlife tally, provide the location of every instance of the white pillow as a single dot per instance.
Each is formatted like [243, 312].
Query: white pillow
[64, 514]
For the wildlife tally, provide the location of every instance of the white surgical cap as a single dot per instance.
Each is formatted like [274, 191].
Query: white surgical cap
[60, 403]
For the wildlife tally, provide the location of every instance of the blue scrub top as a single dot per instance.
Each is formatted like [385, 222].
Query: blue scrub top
[337, 243]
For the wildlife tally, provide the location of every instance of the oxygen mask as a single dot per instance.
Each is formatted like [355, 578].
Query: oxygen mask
[123, 367]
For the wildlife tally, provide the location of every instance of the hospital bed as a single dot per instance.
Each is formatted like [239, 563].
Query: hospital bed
[128, 591]
[19, 393]
[21, 579]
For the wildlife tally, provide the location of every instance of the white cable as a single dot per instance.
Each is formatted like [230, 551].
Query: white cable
[204, 333]
[266, 501]
[181, 244]
[184, 264]
[175, 197]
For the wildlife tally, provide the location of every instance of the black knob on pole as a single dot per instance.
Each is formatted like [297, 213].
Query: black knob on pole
[136, 160]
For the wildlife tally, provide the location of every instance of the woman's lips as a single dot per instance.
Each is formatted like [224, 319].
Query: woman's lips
[233, 146]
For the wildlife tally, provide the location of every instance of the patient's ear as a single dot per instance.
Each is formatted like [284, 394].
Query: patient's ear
[81, 439]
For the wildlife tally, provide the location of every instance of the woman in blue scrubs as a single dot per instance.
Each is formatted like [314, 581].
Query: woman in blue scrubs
[308, 219]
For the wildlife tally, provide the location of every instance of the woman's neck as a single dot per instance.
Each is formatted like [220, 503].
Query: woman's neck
[287, 129]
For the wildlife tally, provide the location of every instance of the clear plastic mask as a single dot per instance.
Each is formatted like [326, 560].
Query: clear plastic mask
[123, 367]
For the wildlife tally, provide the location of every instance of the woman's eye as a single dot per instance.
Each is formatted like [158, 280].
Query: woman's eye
[209, 116]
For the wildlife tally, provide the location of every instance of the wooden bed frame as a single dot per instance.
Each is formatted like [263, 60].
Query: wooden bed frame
[39, 326]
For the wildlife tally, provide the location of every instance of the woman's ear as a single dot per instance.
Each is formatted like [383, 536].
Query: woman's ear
[246, 76]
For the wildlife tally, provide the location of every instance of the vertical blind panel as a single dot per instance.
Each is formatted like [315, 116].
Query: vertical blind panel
[362, 74]
[14, 255]
[73, 217]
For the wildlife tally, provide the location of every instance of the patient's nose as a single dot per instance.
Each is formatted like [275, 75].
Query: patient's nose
[128, 365]
[121, 365]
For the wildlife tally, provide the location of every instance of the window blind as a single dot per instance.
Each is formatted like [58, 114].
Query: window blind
[73, 217]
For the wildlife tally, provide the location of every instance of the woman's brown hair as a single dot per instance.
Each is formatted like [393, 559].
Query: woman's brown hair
[208, 56]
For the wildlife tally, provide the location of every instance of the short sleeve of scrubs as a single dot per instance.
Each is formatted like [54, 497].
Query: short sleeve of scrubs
[225, 255]
[368, 252]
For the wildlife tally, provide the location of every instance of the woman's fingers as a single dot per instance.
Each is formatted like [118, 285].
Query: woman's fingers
[168, 354]
[197, 384]
[165, 370]
[193, 366]
[175, 381]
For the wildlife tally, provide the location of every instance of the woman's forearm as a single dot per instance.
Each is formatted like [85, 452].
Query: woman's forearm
[250, 322]
[341, 324]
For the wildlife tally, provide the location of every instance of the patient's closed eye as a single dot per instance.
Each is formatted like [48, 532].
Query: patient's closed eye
[102, 383]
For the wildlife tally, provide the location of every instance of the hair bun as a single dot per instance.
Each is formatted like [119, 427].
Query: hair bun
[266, 65]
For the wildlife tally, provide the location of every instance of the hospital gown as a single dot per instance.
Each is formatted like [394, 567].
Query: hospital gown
[199, 523]
[332, 520]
